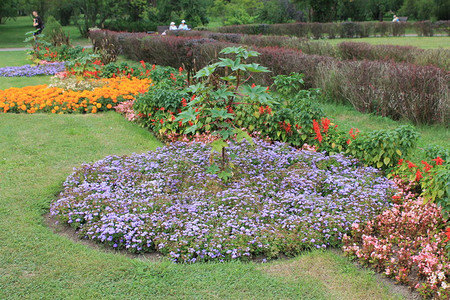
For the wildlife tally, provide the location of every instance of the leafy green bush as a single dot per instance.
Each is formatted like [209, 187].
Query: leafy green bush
[54, 33]
[384, 148]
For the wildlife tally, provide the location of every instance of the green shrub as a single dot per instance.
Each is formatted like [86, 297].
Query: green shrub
[54, 33]
[384, 148]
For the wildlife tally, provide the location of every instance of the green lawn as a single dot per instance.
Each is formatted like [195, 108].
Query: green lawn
[432, 42]
[37, 152]
[12, 33]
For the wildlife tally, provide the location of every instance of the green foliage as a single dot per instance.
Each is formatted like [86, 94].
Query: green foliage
[8, 9]
[160, 105]
[220, 88]
[436, 186]
[193, 11]
[384, 148]
[54, 33]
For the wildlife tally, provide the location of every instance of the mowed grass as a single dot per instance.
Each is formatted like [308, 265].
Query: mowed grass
[432, 42]
[37, 153]
[12, 33]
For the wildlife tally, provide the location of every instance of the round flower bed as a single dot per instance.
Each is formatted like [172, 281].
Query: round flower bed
[279, 201]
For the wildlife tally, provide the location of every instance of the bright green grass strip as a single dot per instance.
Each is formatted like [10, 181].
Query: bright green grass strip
[8, 82]
[432, 42]
[12, 33]
[37, 153]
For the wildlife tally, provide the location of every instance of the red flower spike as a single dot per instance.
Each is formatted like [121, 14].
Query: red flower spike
[316, 128]
[438, 160]
[418, 175]
[143, 64]
[253, 86]
[447, 233]
[261, 110]
[411, 165]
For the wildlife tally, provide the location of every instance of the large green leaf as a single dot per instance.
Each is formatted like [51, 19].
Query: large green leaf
[218, 145]
[188, 115]
[221, 113]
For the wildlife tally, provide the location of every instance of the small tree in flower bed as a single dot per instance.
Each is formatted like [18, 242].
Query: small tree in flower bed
[222, 87]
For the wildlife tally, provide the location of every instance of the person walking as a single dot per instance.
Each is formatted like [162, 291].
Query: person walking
[38, 25]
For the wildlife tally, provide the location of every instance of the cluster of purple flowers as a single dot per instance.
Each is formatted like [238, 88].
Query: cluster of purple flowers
[280, 200]
[29, 70]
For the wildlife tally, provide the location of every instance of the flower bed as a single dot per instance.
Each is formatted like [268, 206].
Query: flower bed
[407, 243]
[279, 201]
[42, 98]
[29, 70]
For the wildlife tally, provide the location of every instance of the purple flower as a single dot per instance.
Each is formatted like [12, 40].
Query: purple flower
[165, 201]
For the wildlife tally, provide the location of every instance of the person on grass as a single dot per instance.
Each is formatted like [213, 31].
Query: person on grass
[38, 24]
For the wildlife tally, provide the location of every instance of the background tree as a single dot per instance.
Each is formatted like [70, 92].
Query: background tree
[8, 9]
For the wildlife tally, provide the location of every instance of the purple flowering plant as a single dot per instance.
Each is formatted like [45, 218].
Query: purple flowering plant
[280, 201]
[30, 70]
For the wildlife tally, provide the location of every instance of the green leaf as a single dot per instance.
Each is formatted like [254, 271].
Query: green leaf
[386, 160]
[192, 129]
[256, 68]
[213, 169]
[206, 71]
[218, 145]
[399, 152]
[241, 134]
[187, 115]
[221, 113]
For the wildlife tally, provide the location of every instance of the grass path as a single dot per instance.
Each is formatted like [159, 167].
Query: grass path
[37, 152]
[423, 42]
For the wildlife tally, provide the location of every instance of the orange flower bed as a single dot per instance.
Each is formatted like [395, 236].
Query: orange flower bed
[41, 98]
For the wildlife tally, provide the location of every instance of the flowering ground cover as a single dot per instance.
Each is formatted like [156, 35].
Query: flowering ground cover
[29, 70]
[43, 98]
[280, 201]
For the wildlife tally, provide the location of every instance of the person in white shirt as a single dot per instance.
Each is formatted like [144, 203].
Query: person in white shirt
[183, 26]
[172, 26]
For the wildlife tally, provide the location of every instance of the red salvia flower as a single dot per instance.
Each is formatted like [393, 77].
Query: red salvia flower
[316, 128]
[438, 160]
[418, 175]
[411, 165]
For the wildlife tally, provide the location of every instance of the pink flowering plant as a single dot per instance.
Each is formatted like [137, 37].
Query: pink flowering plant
[408, 242]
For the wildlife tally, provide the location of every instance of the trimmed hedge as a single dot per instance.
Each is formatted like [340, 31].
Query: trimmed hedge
[344, 51]
[343, 30]
[398, 90]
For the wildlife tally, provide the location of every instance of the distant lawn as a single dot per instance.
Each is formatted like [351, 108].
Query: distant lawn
[416, 41]
[12, 34]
